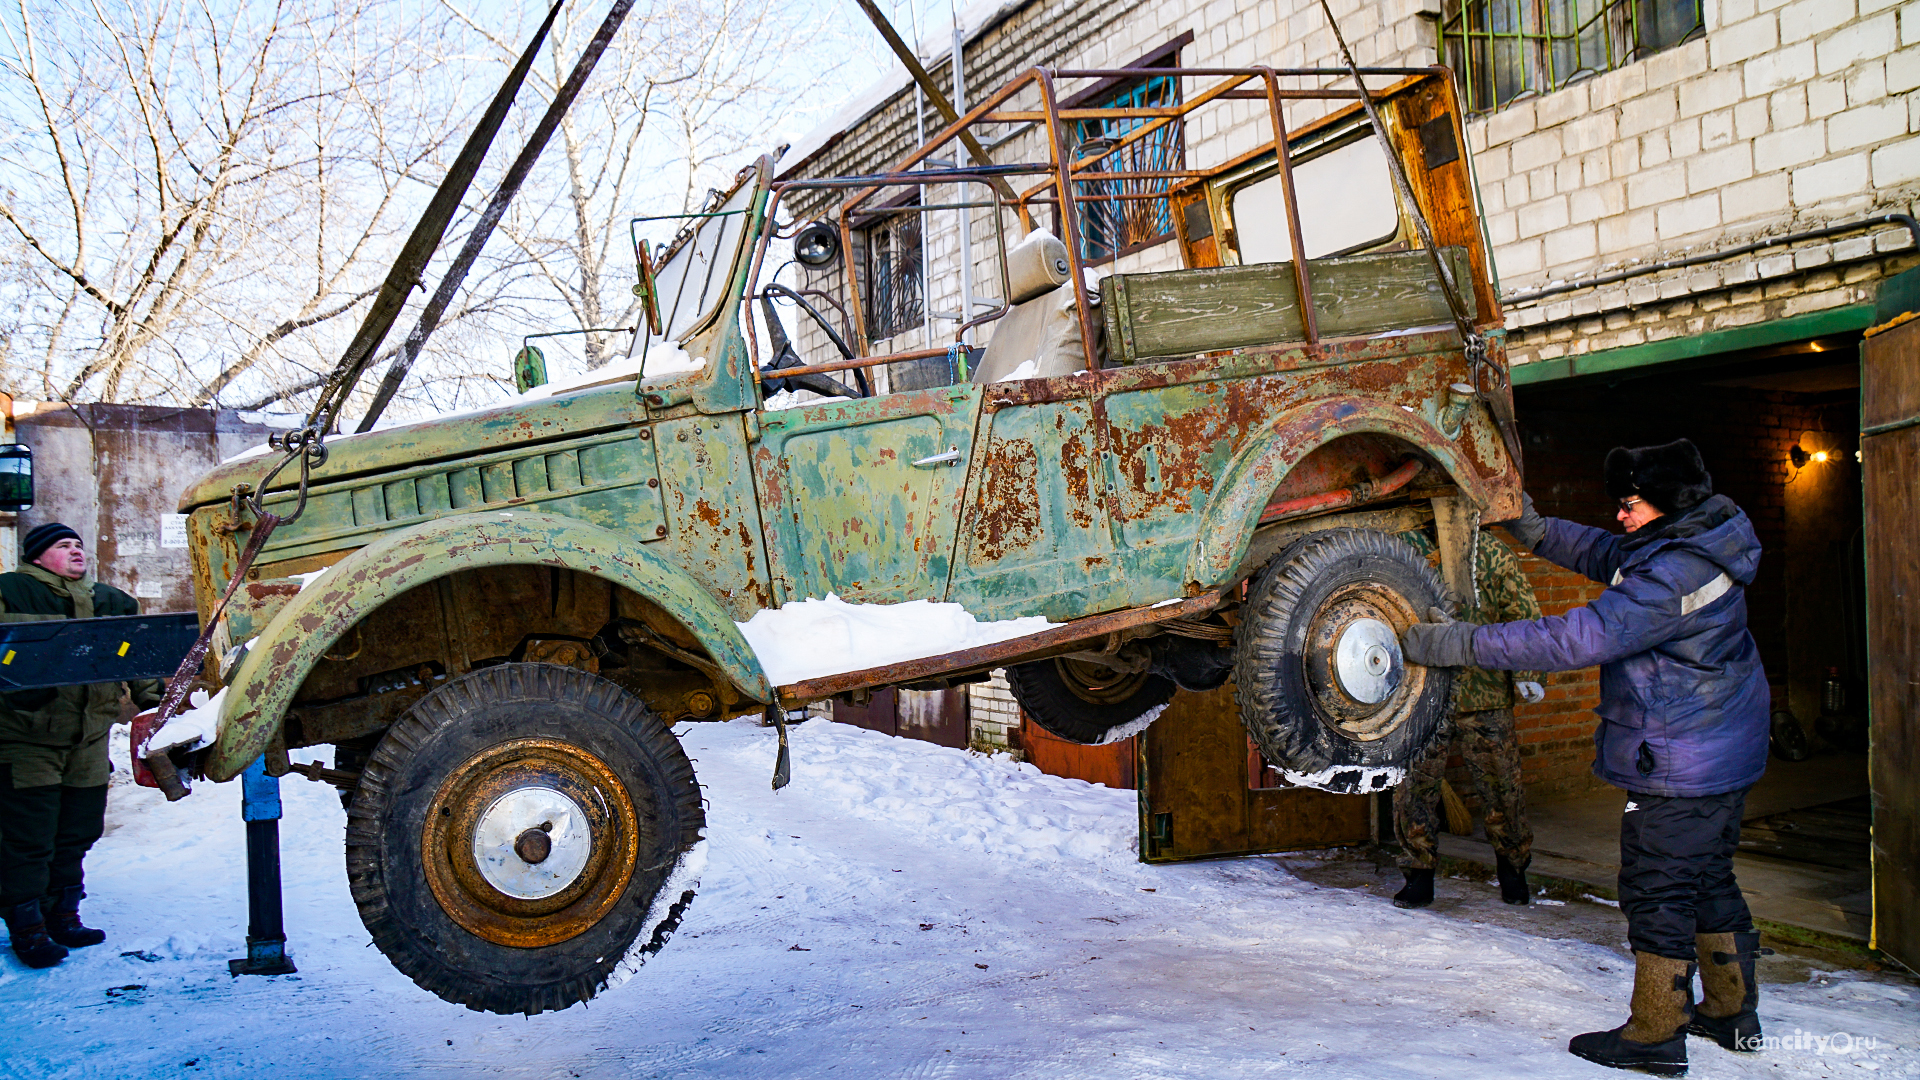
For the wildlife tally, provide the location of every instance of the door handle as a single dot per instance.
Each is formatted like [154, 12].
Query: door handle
[951, 457]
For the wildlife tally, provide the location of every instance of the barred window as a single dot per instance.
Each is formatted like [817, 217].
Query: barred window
[1508, 50]
[895, 299]
[1111, 224]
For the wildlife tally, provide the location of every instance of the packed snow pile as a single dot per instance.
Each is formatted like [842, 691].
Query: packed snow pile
[900, 910]
[810, 638]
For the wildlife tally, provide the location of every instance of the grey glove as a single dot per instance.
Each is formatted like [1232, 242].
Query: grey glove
[1440, 643]
[1529, 528]
[1531, 693]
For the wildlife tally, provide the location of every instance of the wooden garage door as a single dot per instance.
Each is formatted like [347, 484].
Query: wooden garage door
[1890, 458]
[1201, 797]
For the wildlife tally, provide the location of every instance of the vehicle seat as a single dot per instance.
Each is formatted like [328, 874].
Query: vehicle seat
[1043, 329]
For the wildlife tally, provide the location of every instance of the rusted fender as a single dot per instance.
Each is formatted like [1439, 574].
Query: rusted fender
[311, 622]
[1233, 510]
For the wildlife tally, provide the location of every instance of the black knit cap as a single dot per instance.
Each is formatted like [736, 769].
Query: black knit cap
[1671, 476]
[44, 537]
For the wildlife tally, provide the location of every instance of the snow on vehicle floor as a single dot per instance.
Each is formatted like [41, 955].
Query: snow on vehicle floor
[902, 910]
[810, 638]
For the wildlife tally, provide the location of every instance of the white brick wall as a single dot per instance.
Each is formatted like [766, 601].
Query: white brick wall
[1784, 116]
[992, 714]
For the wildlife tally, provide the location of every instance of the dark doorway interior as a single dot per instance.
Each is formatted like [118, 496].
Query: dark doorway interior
[1779, 432]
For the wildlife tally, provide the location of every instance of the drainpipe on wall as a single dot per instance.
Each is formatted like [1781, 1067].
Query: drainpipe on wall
[966, 216]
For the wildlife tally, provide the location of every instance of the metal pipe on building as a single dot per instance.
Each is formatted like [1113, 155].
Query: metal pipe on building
[966, 216]
[1905, 221]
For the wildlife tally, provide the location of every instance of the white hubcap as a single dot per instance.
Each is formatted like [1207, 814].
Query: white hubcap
[1367, 661]
[527, 866]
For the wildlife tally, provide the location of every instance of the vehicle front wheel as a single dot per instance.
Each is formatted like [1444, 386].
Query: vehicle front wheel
[1088, 703]
[516, 837]
[1321, 684]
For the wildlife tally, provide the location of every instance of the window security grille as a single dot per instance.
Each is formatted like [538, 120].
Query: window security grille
[1114, 226]
[896, 294]
[1508, 50]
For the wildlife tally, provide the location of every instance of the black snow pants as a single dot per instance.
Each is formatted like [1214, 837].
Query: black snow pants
[45, 833]
[1676, 871]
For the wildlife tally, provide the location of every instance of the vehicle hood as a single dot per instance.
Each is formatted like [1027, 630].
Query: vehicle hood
[438, 438]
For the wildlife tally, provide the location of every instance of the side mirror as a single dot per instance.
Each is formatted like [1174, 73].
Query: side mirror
[817, 246]
[529, 368]
[648, 293]
[16, 478]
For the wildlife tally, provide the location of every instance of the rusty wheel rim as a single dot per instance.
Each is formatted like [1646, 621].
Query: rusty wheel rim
[1098, 684]
[530, 842]
[1362, 685]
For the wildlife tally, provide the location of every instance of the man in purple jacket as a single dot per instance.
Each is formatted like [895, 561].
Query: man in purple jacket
[1683, 728]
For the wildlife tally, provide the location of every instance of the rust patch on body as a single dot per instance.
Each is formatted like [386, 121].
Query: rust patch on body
[1009, 510]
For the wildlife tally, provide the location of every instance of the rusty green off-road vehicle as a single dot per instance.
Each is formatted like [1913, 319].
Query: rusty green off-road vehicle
[1193, 473]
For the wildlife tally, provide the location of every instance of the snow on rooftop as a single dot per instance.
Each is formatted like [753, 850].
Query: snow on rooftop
[811, 638]
[933, 51]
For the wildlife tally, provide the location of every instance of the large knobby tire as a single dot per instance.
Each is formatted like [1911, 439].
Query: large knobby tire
[1086, 703]
[1318, 674]
[514, 833]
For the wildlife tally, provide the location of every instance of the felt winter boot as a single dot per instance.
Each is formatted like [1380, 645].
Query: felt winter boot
[1728, 991]
[1418, 891]
[30, 941]
[63, 921]
[1513, 881]
[1654, 1038]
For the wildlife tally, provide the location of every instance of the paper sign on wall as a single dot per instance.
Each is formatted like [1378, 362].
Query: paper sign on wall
[173, 530]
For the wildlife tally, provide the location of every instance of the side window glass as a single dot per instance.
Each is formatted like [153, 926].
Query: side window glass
[1346, 205]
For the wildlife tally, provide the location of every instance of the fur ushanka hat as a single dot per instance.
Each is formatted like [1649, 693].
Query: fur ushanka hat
[1670, 476]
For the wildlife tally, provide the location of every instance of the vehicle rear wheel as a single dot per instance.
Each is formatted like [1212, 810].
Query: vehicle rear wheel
[516, 835]
[1085, 702]
[1318, 674]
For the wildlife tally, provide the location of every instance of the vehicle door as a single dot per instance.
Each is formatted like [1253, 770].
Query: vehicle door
[1035, 539]
[861, 498]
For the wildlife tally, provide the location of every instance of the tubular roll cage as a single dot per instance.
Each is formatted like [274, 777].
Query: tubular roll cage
[1061, 173]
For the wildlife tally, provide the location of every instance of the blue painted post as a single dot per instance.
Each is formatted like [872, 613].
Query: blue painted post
[266, 930]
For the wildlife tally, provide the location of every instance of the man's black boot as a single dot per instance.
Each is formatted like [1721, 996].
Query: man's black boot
[30, 941]
[63, 921]
[1418, 891]
[1513, 881]
[1654, 1038]
[1729, 994]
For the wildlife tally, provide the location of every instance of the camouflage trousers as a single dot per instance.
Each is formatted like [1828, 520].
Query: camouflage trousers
[1486, 741]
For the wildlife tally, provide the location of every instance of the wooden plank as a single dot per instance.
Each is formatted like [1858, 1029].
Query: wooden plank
[1179, 313]
[1444, 190]
[1198, 801]
[1890, 391]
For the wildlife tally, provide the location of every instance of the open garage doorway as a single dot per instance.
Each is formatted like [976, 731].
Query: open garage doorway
[1778, 428]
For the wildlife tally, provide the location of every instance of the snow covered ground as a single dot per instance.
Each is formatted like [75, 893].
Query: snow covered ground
[902, 910]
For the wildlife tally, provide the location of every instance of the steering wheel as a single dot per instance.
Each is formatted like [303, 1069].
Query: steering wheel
[784, 354]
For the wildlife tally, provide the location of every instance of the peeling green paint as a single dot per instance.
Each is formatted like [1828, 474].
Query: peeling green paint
[309, 625]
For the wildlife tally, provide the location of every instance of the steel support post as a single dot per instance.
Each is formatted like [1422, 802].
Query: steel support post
[266, 930]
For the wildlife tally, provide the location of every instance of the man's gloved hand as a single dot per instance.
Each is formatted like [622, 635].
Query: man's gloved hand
[1529, 528]
[1531, 693]
[1439, 643]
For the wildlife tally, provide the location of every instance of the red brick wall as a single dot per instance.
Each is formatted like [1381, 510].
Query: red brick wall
[1556, 736]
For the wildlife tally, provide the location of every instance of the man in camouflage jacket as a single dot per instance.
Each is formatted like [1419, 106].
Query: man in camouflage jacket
[53, 755]
[1481, 727]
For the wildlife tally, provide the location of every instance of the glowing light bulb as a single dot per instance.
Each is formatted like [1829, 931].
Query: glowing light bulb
[1819, 455]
